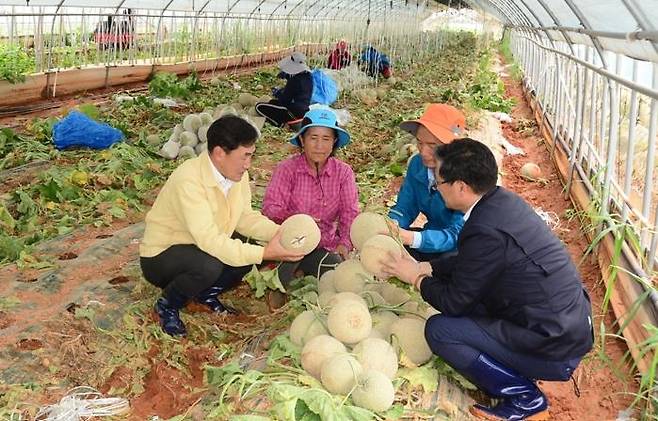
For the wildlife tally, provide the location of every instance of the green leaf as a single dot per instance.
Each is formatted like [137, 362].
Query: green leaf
[249, 418]
[263, 280]
[396, 169]
[425, 376]
[217, 376]
[394, 412]
[282, 347]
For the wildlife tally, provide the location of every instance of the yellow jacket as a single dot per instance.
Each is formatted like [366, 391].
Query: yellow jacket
[192, 209]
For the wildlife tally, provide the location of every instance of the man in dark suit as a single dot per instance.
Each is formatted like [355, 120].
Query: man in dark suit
[513, 308]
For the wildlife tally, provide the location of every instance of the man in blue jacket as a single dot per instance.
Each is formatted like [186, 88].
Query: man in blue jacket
[440, 124]
[513, 308]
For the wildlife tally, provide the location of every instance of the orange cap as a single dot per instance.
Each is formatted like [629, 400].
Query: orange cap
[444, 121]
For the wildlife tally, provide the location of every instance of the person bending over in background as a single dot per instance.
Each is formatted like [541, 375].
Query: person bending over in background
[292, 101]
[375, 63]
[315, 183]
[513, 308]
[440, 124]
[188, 248]
[340, 57]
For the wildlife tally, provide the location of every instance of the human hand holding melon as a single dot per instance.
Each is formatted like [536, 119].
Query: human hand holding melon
[274, 250]
[298, 236]
[404, 267]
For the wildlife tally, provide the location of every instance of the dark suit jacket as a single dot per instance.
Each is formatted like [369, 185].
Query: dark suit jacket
[514, 277]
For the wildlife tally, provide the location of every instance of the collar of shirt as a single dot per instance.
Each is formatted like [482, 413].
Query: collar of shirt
[431, 179]
[468, 212]
[224, 183]
[301, 165]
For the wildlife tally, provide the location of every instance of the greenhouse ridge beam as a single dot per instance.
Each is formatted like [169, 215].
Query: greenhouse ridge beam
[641, 35]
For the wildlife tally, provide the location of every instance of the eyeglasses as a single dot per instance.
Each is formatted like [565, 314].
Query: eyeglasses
[438, 183]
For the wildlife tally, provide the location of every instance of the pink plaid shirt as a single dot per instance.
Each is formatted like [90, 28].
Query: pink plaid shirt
[331, 199]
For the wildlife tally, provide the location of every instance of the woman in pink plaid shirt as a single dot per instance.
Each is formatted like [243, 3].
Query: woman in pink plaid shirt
[316, 183]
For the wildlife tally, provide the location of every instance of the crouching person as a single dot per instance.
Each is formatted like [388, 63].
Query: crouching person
[513, 308]
[316, 183]
[188, 249]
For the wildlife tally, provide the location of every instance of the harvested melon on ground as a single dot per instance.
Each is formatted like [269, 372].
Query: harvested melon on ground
[531, 171]
[178, 129]
[376, 250]
[228, 110]
[201, 148]
[377, 354]
[409, 341]
[366, 225]
[346, 296]
[318, 350]
[382, 322]
[265, 98]
[300, 233]
[340, 373]
[206, 118]
[306, 326]
[348, 322]
[374, 286]
[247, 100]
[188, 139]
[170, 149]
[192, 122]
[350, 276]
[203, 133]
[326, 282]
[394, 295]
[373, 298]
[186, 152]
[324, 299]
[374, 391]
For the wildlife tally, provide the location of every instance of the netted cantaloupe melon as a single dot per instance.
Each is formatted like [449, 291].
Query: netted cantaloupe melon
[201, 148]
[170, 149]
[366, 225]
[347, 296]
[192, 122]
[206, 118]
[247, 100]
[408, 337]
[376, 250]
[318, 350]
[394, 295]
[306, 326]
[350, 276]
[340, 373]
[377, 354]
[203, 133]
[186, 152]
[153, 139]
[188, 139]
[382, 321]
[530, 171]
[324, 299]
[374, 391]
[349, 322]
[326, 282]
[300, 233]
[373, 298]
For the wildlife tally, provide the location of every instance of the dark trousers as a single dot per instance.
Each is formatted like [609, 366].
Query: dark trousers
[188, 270]
[319, 260]
[276, 113]
[459, 341]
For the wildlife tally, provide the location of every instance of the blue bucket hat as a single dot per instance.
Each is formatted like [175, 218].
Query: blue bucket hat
[322, 117]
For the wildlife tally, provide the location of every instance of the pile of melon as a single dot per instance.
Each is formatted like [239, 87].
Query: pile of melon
[402, 148]
[362, 327]
[189, 139]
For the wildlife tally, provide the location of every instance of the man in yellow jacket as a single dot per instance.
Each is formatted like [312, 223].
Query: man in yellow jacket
[189, 249]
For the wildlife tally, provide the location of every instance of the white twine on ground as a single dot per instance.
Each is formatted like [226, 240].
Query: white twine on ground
[549, 217]
[82, 403]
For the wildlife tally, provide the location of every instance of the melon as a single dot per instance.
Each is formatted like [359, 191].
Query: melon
[350, 276]
[374, 391]
[188, 139]
[153, 139]
[318, 350]
[376, 250]
[201, 148]
[394, 295]
[170, 150]
[186, 152]
[530, 171]
[300, 233]
[192, 122]
[340, 373]
[203, 133]
[348, 322]
[306, 326]
[247, 100]
[206, 118]
[346, 296]
[326, 282]
[382, 321]
[409, 340]
[366, 225]
[373, 298]
[377, 354]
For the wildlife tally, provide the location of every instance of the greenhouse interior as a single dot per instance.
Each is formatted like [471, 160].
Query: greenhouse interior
[385, 210]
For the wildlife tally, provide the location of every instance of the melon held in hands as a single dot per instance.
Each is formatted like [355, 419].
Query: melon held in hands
[300, 233]
[366, 225]
[376, 250]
